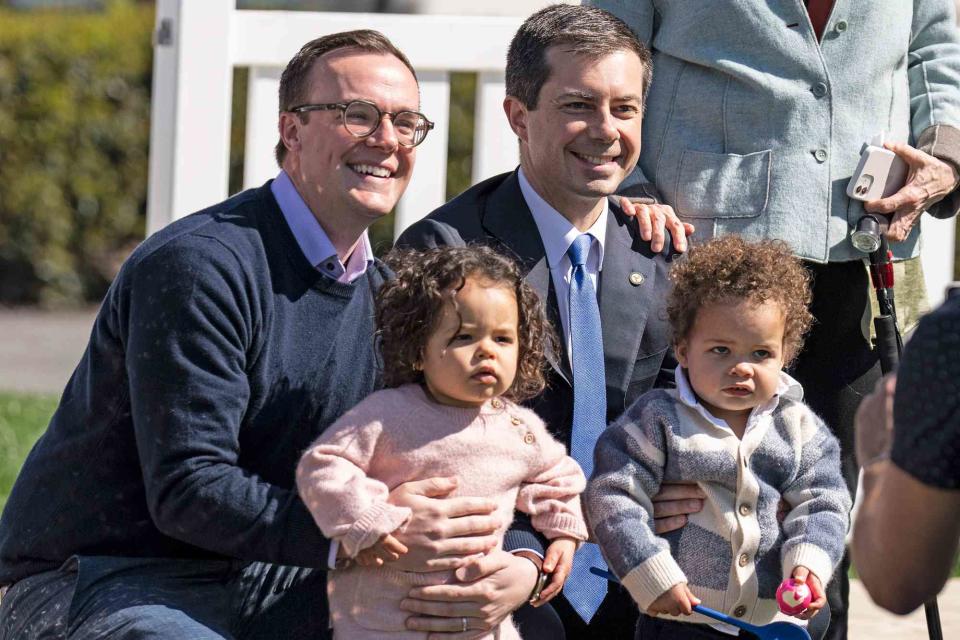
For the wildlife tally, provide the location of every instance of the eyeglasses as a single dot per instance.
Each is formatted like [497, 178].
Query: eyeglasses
[361, 119]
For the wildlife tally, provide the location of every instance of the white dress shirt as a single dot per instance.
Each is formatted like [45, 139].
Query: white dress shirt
[557, 234]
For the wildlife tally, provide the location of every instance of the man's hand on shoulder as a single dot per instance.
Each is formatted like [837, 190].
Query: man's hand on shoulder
[653, 219]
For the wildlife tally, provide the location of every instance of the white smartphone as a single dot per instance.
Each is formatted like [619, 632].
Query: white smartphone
[879, 174]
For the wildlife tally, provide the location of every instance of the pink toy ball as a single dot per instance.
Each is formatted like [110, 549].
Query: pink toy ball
[793, 596]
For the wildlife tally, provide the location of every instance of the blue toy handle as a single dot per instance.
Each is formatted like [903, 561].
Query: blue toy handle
[760, 632]
[722, 617]
[699, 608]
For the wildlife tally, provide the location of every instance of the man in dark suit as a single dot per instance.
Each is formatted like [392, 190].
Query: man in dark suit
[576, 79]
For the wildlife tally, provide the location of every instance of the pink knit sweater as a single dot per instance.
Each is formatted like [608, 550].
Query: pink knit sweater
[499, 451]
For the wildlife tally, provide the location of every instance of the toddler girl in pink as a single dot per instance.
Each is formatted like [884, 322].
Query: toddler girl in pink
[462, 341]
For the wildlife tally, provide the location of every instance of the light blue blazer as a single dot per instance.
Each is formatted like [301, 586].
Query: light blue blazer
[753, 127]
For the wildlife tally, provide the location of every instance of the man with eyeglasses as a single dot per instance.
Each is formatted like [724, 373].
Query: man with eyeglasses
[160, 502]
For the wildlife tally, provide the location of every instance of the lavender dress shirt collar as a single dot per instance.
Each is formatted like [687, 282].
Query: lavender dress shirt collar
[313, 240]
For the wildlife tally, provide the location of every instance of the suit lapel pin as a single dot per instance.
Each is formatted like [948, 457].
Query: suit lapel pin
[636, 279]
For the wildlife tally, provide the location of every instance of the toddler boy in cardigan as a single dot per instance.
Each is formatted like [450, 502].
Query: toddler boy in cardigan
[735, 425]
[462, 338]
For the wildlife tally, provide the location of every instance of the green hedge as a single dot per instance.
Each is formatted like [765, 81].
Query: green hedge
[74, 130]
[74, 133]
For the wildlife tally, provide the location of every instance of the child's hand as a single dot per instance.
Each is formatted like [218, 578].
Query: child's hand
[678, 599]
[802, 574]
[557, 563]
[386, 549]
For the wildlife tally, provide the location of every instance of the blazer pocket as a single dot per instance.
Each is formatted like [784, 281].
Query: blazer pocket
[723, 185]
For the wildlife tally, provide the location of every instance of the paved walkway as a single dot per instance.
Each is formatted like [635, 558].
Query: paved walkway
[869, 622]
[38, 351]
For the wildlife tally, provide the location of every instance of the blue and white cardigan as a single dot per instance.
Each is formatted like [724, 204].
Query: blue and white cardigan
[734, 553]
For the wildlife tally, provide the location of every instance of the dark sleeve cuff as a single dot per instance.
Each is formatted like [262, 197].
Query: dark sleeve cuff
[522, 535]
[304, 545]
[943, 142]
[641, 192]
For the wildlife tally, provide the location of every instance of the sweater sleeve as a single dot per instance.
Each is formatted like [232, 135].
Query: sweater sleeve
[192, 317]
[943, 141]
[345, 502]
[551, 495]
[933, 72]
[628, 469]
[816, 525]
[933, 66]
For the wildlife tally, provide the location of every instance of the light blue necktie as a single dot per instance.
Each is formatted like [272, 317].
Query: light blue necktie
[584, 590]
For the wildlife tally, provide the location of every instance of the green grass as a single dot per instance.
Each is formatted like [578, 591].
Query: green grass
[23, 417]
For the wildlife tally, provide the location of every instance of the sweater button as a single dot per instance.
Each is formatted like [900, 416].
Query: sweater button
[820, 155]
[740, 611]
[819, 90]
[744, 509]
[496, 403]
[529, 439]
[841, 26]
[743, 560]
[514, 420]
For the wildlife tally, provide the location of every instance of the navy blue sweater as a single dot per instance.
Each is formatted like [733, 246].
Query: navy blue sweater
[218, 355]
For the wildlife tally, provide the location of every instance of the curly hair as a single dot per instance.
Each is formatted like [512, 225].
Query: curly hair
[410, 306]
[730, 268]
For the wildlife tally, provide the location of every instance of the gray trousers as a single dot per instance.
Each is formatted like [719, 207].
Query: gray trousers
[101, 597]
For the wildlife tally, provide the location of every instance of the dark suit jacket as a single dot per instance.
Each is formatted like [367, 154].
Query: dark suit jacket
[636, 336]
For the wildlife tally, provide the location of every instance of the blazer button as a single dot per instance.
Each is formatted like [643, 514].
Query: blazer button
[841, 26]
[744, 509]
[740, 611]
[636, 279]
[819, 90]
[529, 438]
[820, 155]
[743, 560]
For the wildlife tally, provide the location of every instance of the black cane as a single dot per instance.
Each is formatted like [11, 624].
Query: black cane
[871, 234]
